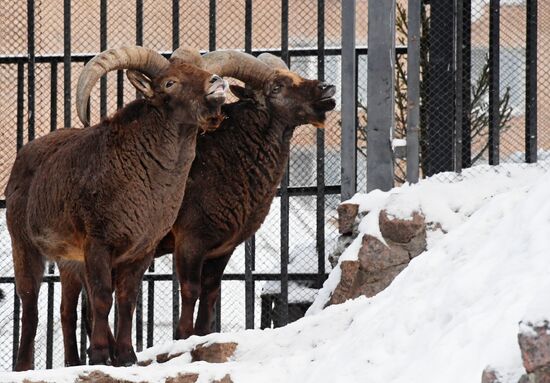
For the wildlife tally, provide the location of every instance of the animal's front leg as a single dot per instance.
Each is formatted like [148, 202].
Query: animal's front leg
[127, 281]
[212, 272]
[98, 270]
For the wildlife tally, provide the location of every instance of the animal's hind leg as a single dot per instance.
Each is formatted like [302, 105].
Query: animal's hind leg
[212, 272]
[188, 260]
[98, 270]
[29, 270]
[71, 286]
[127, 281]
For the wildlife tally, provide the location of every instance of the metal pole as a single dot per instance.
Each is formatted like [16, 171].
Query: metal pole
[320, 227]
[459, 112]
[67, 63]
[413, 90]
[494, 82]
[380, 94]
[466, 83]
[285, 201]
[31, 105]
[349, 102]
[102, 47]
[212, 26]
[531, 84]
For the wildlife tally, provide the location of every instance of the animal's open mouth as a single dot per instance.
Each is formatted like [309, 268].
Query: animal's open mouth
[220, 87]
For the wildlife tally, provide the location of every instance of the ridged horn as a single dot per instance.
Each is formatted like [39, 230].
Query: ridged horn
[239, 65]
[188, 55]
[273, 61]
[138, 58]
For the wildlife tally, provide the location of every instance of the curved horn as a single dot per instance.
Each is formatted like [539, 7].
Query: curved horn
[273, 61]
[239, 65]
[188, 55]
[145, 60]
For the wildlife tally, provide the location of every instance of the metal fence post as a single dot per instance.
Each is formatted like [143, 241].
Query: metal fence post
[380, 94]
[67, 63]
[413, 90]
[31, 69]
[531, 84]
[349, 109]
[494, 82]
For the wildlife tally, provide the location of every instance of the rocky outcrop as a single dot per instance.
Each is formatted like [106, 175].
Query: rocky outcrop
[378, 262]
[214, 353]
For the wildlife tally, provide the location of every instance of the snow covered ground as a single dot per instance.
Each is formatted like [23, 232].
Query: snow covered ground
[451, 313]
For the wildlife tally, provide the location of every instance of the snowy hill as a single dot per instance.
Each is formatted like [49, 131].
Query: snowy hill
[447, 316]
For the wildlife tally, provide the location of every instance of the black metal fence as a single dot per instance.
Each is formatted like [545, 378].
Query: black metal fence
[273, 277]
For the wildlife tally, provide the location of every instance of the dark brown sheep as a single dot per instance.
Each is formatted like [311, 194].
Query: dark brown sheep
[103, 197]
[233, 180]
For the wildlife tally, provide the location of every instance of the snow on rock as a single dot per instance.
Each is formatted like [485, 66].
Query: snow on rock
[453, 311]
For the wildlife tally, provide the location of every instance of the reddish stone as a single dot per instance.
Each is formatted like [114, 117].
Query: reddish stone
[183, 378]
[376, 256]
[214, 353]
[489, 375]
[401, 230]
[99, 377]
[343, 291]
[225, 379]
[535, 347]
[347, 212]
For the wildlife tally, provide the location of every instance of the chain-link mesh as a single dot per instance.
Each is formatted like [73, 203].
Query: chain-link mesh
[150, 23]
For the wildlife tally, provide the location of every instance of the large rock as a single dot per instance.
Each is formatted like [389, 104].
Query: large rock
[490, 375]
[401, 230]
[99, 377]
[534, 342]
[214, 353]
[183, 378]
[376, 256]
[344, 291]
[347, 212]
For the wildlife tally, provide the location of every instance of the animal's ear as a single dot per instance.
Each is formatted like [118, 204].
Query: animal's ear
[141, 82]
[242, 93]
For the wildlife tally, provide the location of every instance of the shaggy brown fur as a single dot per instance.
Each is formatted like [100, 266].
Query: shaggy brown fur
[231, 185]
[104, 197]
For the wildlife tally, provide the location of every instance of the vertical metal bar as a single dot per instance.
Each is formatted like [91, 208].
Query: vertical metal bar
[20, 103]
[83, 331]
[438, 148]
[67, 63]
[459, 112]
[175, 24]
[218, 313]
[212, 26]
[53, 96]
[320, 211]
[466, 83]
[31, 105]
[531, 84]
[119, 89]
[494, 82]
[380, 94]
[349, 102]
[248, 26]
[151, 308]
[175, 280]
[139, 22]
[49, 328]
[16, 315]
[249, 248]
[285, 201]
[102, 47]
[249, 284]
[413, 90]
[139, 305]
[139, 319]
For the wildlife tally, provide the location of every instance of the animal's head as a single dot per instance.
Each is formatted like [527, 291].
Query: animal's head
[295, 99]
[183, 91]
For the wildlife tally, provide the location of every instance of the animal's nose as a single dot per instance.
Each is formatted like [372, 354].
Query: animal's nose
[215, 78]
[327, 89]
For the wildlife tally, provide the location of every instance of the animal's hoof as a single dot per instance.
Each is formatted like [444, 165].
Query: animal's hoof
[126, 358]
[100, 356]
[71, 363]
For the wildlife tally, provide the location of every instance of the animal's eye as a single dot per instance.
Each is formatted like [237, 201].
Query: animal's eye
[169, 83]
[276, 89]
